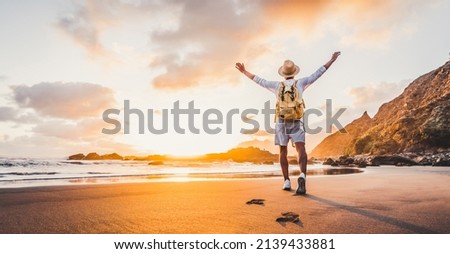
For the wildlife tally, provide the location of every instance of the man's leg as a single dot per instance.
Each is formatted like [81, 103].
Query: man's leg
[302, 156]
[302, 161]
[284, 162]
[282, 140]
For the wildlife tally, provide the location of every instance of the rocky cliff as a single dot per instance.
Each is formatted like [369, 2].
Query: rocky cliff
[415, 121]
[337, 144]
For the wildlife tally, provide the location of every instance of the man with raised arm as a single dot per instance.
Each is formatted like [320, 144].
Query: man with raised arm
[289, 113]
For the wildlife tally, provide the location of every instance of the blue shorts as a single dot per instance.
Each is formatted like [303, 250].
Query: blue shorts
[289, 129]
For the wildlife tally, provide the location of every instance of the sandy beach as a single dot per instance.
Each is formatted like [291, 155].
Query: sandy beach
[380, 200]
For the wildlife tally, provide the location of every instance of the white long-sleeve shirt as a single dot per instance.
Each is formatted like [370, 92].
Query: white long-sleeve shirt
[302, 83]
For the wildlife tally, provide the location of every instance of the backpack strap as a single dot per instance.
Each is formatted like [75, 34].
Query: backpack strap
[280, 97]
[281, 93]
[297, 94]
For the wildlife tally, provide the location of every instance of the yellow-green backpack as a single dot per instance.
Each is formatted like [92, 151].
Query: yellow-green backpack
[290, 106]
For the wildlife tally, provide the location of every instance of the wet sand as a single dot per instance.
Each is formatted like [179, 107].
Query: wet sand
[380, 200]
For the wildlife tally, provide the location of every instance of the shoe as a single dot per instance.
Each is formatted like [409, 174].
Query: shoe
[301, 189]
[287, 185]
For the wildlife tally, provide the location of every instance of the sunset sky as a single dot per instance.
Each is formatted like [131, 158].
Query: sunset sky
[63, 63]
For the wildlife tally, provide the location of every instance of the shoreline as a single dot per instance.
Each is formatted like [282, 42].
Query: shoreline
[54, 173]
[382, 200]
[318, 170]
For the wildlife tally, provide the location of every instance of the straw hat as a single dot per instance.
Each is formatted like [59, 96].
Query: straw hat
[289, 69]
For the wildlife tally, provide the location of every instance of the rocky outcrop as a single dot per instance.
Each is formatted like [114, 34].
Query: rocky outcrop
[416, 121]
[404, 159]
[111, 156]
[348, 161]
[338, 143]
[392, 160]
[248, 154]
[92, 156]
[442, 162]
[78, 156]
[95, 156]
[156, 163]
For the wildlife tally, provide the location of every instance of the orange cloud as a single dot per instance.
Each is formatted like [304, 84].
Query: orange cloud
[211, 36]
[370, 23]
[205, 38]
[221, 34]
[300, 14]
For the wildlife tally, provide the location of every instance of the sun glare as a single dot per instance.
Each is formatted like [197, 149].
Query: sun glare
[182, 145]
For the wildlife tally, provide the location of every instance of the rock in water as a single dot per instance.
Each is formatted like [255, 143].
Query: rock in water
[442, 162]
[111, 156]
[92, 156]
[328, 161]
[156, 163]
[393, 160]
[293, 161]
[78, 156]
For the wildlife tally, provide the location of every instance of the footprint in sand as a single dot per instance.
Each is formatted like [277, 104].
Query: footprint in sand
[256, 202]
[289, 217]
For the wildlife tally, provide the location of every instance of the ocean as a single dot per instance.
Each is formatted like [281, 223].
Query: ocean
[25, 172]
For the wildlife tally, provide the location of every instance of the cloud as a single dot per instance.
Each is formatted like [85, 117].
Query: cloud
[58, 137]
[87, 21]
[3, 78]
[196, 42]
[62, 118]
[374, 23]
[64, 100]
[210, 37]
[53, 147]
[7, 114]
[52, 137]
[367, 24]
[212, 34]
[10, 114]
[83, 30]
[88, 129]
[189, 39]
[303, 14]
[372, 96]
